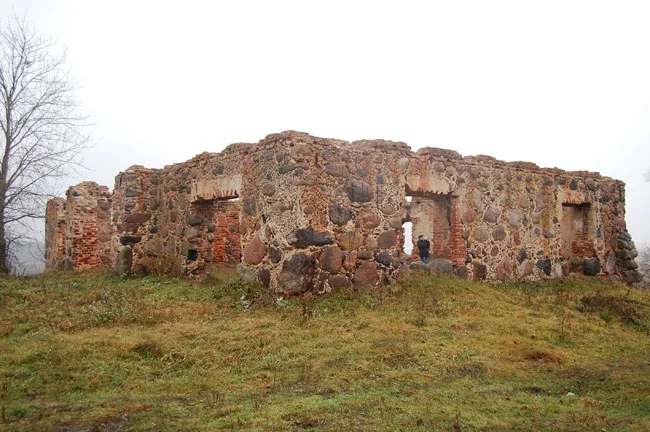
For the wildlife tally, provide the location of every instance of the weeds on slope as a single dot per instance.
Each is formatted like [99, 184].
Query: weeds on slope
[95, 352]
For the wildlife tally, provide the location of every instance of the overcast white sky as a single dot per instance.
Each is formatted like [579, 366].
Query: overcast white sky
[558, 83]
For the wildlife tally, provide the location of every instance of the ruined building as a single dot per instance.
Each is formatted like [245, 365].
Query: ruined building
[301, 213]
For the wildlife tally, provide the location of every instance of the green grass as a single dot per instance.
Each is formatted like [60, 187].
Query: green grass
[95, 352]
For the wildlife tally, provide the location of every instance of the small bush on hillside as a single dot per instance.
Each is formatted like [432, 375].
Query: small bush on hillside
[612, 308]
[149, 349]
[162, 265]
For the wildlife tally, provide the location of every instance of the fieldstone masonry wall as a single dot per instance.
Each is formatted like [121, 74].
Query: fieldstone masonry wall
[301, 213]
[55, 215]
[78, 230]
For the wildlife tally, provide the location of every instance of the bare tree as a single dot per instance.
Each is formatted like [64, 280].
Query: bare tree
[42, 128]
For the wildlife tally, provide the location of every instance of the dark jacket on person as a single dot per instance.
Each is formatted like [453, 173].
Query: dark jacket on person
[423, 247]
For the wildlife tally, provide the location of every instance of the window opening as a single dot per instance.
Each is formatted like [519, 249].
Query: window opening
[430, 213]
[407, 229]
[576, 230]
[192, 254]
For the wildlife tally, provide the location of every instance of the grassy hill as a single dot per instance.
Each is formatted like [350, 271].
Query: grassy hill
[95, 353]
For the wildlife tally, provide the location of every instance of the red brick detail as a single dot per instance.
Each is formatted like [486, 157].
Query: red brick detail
[576, 237]
[441, 222]
[54, 232]
[456, 242]
[82, 245]
[226, 246]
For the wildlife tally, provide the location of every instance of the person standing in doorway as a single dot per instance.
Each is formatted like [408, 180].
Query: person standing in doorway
[423, 248]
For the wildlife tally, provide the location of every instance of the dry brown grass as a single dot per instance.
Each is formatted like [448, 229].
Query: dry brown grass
[100, 353]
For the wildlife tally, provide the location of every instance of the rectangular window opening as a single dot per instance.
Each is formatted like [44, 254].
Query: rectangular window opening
[407, 231]
[576, 230]
[430, 214]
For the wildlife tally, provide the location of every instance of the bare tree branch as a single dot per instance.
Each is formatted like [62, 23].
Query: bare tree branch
[43, 132]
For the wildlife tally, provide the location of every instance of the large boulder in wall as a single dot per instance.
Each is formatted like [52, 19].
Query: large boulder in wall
[297, 274]
[366, 276]
[254, 252]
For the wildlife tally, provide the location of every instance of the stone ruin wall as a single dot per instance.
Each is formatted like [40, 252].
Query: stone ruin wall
[301, 213]
[55, 217]
[78, 230]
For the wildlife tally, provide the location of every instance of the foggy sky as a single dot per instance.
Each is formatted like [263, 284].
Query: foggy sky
[563, 84]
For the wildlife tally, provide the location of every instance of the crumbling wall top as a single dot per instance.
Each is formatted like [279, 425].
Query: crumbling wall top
[87, 189]
[440, 153]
